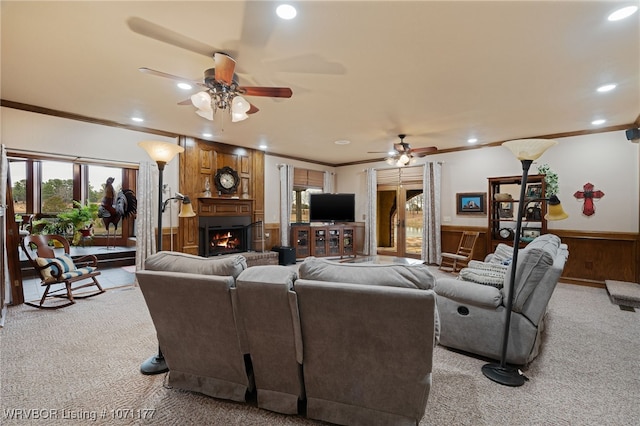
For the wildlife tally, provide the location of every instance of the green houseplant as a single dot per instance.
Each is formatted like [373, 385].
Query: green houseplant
[550, 178]
[79, 218]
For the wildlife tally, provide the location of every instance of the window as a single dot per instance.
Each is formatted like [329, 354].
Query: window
[48, 186]
[56, 187]
[18, 173]
[305, 182]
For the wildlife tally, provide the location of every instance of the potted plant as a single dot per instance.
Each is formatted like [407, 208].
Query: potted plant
[80, 218]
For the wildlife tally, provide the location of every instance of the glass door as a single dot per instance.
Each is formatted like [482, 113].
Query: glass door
[399, 220]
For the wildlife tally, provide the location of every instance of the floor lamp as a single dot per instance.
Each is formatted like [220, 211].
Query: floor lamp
[526, 150]
[161, 153]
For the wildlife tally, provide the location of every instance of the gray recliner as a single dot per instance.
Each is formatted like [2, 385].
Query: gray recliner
[192, 304]
[268, 309]
[472, 315]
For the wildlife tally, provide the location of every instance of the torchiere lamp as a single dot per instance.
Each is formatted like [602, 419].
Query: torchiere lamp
[526, 150]
[161, 153]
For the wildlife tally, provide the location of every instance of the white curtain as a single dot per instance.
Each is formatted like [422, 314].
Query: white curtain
[431, 244]
[286, 199]
[370, 226]
[328, 186]
[5, 285]
[146, 217]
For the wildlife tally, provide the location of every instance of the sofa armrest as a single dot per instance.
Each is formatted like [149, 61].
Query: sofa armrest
[468, 292]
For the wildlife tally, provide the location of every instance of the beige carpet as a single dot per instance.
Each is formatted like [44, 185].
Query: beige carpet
[83, 362]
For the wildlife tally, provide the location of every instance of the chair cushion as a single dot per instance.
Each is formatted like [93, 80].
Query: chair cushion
[63, 264]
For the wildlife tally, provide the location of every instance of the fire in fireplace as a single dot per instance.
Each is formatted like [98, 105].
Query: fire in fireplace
[228, 234]
[225, 240]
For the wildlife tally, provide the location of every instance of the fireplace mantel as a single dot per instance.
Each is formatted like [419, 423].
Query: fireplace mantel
[224, 206]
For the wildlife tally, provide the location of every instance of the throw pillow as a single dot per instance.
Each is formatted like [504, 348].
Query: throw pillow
[56, 266]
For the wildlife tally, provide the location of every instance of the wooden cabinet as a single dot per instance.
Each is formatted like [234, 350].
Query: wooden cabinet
[324, 240]
[503, 210]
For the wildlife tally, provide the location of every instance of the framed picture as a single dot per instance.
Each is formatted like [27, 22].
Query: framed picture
[534, 190]
[505, 210]
[471, 203]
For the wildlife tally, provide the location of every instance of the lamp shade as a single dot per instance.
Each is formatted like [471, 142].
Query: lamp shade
[161, 152]
[529, 149]
[186, 208]
[201, 100]
[555, 210]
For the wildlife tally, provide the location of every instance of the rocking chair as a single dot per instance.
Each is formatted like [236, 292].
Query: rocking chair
[454, 262]
[60, 270]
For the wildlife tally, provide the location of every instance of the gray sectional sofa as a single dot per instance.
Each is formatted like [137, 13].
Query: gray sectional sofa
[346, 343]
[472, 310]
[353, 343]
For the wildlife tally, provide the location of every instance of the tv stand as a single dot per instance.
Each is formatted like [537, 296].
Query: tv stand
[337, 240]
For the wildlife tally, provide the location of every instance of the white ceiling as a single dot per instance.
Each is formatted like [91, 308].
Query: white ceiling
[441, 72]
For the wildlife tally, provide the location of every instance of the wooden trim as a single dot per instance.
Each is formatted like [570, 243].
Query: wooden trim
[78, 117]
[594, 256]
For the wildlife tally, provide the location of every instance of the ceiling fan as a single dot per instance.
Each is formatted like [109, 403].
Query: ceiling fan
[222, 90]
[403, 154]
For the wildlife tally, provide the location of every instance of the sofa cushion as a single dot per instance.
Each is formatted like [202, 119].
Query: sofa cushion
[533, 263]
[171, 261]
[410, 276]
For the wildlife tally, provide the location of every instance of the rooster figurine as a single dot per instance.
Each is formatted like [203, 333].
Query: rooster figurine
[113, 208]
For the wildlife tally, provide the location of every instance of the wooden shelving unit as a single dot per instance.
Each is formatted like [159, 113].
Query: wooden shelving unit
[323, 240]
[503, 213]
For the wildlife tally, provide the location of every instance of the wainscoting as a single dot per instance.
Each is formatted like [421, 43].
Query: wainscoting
[593, 256]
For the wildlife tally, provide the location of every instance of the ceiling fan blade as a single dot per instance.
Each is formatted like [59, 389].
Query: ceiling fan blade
[171, 76]
[421, 152]
[165, 35]
[224, 68]
[274, 92]
[252, 109]
[185, 102]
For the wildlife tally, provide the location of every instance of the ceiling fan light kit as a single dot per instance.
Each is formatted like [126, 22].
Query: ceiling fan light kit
[222, 91]
[403, 154]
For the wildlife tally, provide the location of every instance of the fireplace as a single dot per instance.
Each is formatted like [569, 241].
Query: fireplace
[225, 226]
[225, 240]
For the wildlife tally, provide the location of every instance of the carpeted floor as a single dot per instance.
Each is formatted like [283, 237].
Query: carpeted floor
[71, 365]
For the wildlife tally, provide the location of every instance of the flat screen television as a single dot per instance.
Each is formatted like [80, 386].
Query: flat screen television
[331, 208]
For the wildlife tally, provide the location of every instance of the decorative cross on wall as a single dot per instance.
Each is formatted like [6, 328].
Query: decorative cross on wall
[588, 194]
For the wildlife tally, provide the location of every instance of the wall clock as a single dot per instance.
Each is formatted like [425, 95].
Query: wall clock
[506, 233]
[226, 180]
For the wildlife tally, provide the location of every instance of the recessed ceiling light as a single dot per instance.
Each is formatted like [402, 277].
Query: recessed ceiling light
[185, 86]
[342, 142]
[263, 146]
[472, 140]
[137, 119]
[207, 135]
[606, 88]
[598, 122]
[286, 11]
[625, 12]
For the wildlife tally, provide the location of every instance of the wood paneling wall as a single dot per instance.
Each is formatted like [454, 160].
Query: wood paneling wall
[200, 160]
[593, 256]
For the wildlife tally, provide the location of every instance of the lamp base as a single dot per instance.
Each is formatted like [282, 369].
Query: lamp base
[508, 376]
[154, 365]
